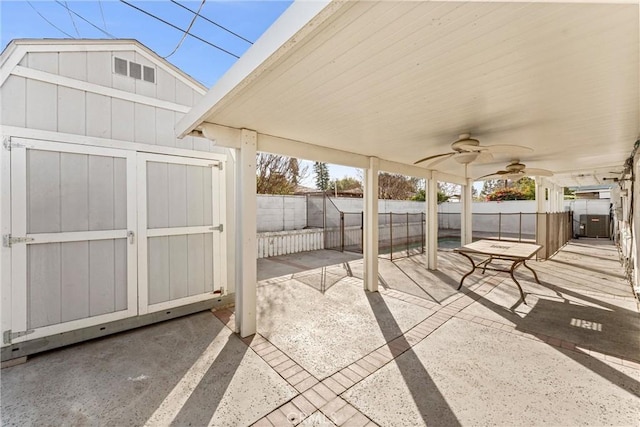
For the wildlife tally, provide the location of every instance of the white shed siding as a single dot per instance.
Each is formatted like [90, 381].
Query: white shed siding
[80, 125]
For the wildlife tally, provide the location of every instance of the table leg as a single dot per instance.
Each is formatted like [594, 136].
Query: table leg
[473, 268]
[513, 268]
[532, 270]
[484, 269]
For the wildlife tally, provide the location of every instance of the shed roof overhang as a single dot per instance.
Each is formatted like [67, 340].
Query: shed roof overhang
[400, 80]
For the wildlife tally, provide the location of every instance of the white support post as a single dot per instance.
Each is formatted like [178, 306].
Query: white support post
[432, 223]
[540, 193]
[560, 199]
[371, 225]
[466, 224]
[553, 199]
[246, 255]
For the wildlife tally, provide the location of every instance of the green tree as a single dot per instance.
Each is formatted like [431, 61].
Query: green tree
[528, 187]
[489, 186]
[322, 175]
[421, 196]
[345, 184]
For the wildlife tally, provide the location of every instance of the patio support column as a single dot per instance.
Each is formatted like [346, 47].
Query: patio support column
[370, 243]
[466, 223]
[432, 223]
[246, 252]
[560, 199]
[540, 193]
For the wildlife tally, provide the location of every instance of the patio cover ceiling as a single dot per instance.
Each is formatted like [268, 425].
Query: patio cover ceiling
[401, 80]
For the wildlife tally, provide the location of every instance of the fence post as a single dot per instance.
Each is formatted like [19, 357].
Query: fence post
[423, 219]
[520, 229]
[391, 235]
[341, 231]
[362, 231]
[499, 225]
[407, 233]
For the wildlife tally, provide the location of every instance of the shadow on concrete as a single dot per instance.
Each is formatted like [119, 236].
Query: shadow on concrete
[205, 399]
[117, 380]
[584, 267]
[430, 402]
[540, 325]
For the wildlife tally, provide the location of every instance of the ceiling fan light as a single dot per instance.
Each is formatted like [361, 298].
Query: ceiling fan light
[466, 158]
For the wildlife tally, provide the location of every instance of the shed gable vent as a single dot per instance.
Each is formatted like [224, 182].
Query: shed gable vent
[134, 70]
[120, 66]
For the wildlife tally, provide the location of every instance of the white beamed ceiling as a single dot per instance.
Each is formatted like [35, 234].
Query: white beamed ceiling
[400, 81]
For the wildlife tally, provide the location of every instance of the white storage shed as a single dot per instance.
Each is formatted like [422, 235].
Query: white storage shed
[108, 220]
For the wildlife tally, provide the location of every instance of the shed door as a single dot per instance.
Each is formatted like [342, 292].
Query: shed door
[75, 206]
[180, 210]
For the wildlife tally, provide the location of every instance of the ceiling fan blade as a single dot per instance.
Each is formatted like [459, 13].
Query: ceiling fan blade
[507, 149]
[440, 160]
[433, 157]
[494, 175]
[537, 172]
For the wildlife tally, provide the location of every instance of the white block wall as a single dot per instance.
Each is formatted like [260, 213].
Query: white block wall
[278, 213]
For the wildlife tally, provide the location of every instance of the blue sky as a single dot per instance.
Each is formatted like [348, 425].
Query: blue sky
[248, 19]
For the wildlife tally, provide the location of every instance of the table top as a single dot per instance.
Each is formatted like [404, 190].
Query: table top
[501, 248]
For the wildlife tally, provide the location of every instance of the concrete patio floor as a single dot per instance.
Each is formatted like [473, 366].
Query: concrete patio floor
[328, 353]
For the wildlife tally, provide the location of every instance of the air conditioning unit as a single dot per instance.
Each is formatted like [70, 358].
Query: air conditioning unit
[594, 226]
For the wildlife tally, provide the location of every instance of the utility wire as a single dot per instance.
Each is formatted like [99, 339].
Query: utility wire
[209, 20]
[178, 28]
[72, 20]
[184, 35]
[104, 22]
[87, 21]
[49, 22]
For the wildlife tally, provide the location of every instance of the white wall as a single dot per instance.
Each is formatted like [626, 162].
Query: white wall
[278, 213]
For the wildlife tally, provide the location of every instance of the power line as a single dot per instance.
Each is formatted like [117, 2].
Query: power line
[49, 22]
[209, 20]
[87, 21]
[184, 35]
[104, 22]
[72, 20]
[179, 29]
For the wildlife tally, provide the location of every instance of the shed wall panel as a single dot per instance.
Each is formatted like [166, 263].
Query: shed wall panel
[44, 61]
[120, 274]
[157, 195]
[73, 65]
[42, 102]
[177, 190]
[74, 192]
[195, 196]
[122, 119]
[165, 86]
[100, 68]
[43, 284]
[158, 269]
[184, 93]
[101, 193]
[178, 264]
[74, 290]
[165, 122]
[98, 115]
[196, 272]
[101, 277]
[43, 192]
[119, 193]
[13, 106]
[71, 111]
[144, 124]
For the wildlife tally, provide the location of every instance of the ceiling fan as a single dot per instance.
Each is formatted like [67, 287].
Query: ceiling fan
[516, 170]
[467, 150]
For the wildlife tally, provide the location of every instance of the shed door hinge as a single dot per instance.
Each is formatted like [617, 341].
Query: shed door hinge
[218, 165]
[8, 145]
[8, 240]
[219, 228]
[9, 336]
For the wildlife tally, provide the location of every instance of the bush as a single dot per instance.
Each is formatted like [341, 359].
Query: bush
[506, 194]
